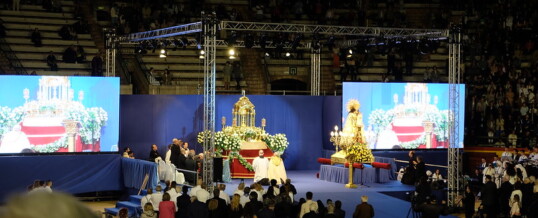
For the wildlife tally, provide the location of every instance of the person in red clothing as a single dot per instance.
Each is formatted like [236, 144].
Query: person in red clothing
[167, 208]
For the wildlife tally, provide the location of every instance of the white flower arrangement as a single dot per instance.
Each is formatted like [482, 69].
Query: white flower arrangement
[277, 143]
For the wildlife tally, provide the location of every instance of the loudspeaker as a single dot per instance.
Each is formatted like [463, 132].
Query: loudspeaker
[217, 169]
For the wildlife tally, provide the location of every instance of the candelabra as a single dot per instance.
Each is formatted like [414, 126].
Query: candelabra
[343, 140]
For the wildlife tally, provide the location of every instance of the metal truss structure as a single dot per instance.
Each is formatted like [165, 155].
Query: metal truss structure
[331, 30]
[455, 182]
[162, 33]
[209, 26]
[110, 53]
[315, 72]
[210, 49]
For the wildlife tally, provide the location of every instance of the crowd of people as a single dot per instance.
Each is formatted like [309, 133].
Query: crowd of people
[507, 186]
[246, 201]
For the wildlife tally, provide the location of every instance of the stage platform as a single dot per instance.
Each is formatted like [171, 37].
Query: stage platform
[306, 181]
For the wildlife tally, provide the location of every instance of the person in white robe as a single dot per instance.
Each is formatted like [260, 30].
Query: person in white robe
[260, 165]
[277, 171]
[14, 141]
[387, 139]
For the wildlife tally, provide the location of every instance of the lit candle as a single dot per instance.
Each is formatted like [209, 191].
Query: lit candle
[263, 122]
[336, 128]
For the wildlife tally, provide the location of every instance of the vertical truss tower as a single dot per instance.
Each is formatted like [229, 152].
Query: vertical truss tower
[209, 29]
[454, 154]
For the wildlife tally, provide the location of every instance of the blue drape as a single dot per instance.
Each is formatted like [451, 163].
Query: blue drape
[69, 173]
[134, 172]
[159, 118]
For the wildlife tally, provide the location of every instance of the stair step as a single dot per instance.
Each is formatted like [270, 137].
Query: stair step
[136, 199]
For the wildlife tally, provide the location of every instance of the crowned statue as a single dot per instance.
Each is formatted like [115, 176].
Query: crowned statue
[351, 138]
[354, 125]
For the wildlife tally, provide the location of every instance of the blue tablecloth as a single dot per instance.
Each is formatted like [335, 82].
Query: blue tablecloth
[134, 171]
[339, 174]
[392, 173]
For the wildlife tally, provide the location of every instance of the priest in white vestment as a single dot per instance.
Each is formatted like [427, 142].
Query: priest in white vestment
[14, 141]
[277, 171]
[260, 165]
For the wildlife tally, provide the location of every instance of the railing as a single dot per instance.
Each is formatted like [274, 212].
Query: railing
[10, 55]
[123, 66]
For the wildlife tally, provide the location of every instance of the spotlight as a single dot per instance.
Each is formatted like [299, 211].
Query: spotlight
[231, 51]
[267, 54]
[202, 54]
[287, 54]
[163, 53]
[350, 51]
[231, 57]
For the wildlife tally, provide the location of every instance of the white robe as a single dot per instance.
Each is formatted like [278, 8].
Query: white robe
[277, 171]
[260, 166]
[14, 142]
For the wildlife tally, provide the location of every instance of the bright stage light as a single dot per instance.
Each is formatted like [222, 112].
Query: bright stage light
[202, 54]
[232, 57]
[350, 51]
[231, 52]
[163, 53]
[287, 54]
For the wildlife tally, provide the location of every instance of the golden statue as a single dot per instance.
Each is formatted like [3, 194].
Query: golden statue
[354, 125]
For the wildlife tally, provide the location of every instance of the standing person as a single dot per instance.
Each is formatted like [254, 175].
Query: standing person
[515, 207]
[97, 65]
[489, 197]
[227, 74]
[469, 202]
[364, 210]
[260, 165]
[167, 208]
[154, 154]
[237, 74]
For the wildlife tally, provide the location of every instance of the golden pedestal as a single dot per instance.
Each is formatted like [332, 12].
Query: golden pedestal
[339, 157]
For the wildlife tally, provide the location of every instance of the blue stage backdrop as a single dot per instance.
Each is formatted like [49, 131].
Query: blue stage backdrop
[157, 119]
[69, 173]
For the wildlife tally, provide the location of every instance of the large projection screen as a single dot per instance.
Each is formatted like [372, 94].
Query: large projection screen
[404, 115]
[49, 114]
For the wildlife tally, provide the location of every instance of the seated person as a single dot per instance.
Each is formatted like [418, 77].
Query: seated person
[70, 55]
[36, 38]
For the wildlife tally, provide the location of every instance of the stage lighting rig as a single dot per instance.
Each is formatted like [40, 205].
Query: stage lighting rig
[185, 42]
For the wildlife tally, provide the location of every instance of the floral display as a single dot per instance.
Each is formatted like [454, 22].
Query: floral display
[230, 139]
[277, 143]
[359, 153]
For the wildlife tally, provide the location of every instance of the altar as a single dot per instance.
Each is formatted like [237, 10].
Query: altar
[241, 142]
